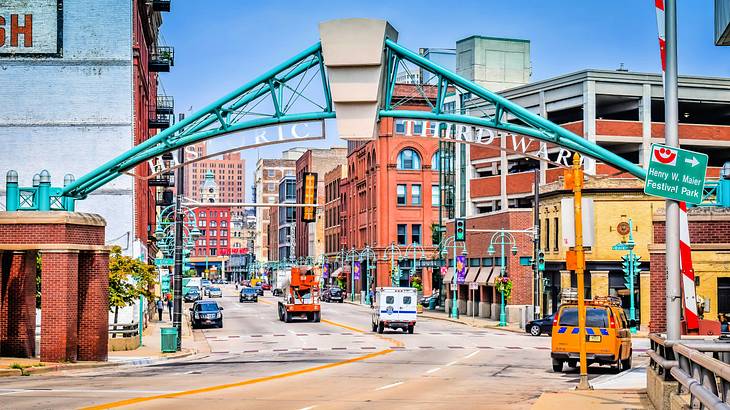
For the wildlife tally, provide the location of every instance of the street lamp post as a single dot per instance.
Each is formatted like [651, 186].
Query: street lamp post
[505, 238]
[369, 255]
[390, 253]
[450, 242]
[414, 249]
[351, 255]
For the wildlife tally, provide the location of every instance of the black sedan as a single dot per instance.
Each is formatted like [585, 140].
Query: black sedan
[333, 294]
[540, 326]
[248, 295]
[206, 312]
[192, 296]
[259, 290]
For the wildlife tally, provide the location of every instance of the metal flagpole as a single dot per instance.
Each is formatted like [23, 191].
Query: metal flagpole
[671, 137]
[178, 275]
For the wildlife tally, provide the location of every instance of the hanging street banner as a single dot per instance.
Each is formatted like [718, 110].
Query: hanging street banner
[460, 269]
[676, 173]
[325, 271]
[356, 272]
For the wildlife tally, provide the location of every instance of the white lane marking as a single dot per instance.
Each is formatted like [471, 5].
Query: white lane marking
[36, 391]
[434, 370]
[452, 363]
[307, 408]
[472, 354]
[388, 386]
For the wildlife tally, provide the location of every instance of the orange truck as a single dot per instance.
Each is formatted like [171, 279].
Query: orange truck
[301, 295]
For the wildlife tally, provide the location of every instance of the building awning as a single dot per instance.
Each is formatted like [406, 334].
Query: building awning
[486, 276]
[471, 274]
[449, 277]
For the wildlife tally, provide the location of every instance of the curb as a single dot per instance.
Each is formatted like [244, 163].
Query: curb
[10, 372]
[448, 319]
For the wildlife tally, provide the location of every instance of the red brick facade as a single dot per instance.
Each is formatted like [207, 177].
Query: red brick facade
[74, 285]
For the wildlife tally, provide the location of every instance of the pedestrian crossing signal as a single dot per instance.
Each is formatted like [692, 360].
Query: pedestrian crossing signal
[309, 196]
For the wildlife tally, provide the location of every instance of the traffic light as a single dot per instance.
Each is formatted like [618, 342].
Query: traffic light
[460, 231]
[309, 197]
[540, 260]
[637, 264]
[626, 265]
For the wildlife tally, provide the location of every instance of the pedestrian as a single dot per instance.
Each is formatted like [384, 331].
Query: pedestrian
[169, 307]
[160, 308]
[372, 298]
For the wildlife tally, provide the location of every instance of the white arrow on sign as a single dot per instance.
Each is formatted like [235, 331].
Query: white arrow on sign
[692, 161]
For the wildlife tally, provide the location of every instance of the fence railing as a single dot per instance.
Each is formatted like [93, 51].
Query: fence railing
[702, 368]
[123, 330]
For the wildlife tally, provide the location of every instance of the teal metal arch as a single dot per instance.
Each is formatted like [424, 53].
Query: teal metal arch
[236, 112]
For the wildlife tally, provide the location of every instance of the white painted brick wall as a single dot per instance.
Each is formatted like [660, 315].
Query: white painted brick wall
[72, 114]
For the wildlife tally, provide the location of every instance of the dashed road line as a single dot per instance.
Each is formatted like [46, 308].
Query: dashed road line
[389, 386]
[452, 363]
[472, 354]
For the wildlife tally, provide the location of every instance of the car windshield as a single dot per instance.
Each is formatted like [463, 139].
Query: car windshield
[335, 290]
[208, 307]
[249, 291]
[595, 317]
[215, 289]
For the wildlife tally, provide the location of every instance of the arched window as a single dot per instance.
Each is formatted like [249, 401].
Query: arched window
[436, 161]
[409, 159]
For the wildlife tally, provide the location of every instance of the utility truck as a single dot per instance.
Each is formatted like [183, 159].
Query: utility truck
[394, 308]
[301, 295]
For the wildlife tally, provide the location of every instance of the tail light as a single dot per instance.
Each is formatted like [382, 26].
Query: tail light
[555, 320]
[612, 322]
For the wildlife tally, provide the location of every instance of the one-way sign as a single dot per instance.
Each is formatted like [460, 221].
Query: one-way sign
[676, 173]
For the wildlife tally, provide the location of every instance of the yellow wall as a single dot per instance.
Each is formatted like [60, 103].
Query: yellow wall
[710, 265]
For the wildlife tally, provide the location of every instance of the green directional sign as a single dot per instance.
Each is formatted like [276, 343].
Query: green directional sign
[164, 261]
[622, 247]
[676, 173]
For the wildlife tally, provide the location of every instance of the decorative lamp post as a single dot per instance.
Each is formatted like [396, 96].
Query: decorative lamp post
[450, 242]
[393, 252]
[416, 251]
[502, 238]
[351, 256]
[369, 256]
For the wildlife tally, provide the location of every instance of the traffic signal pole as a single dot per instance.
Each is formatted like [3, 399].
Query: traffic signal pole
[536, 242]
[579, 270]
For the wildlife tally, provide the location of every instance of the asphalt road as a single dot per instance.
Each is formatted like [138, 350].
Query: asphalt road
[258, 362]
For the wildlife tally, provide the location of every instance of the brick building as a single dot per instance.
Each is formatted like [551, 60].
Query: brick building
[214, 223]
[229, 172]
[391, 193]
[310, 236]
[333, 211]
[266, 181]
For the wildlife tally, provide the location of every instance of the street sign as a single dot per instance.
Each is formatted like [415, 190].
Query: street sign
[430, 263]
[164, 261]
[444, 270]
[676, 173]
[473, 286]
[622, 247]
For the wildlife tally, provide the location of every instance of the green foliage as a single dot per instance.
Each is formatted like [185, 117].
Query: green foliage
[190, 273]
[128, 279]
[435, 233]
[416, 283]
[504, 286]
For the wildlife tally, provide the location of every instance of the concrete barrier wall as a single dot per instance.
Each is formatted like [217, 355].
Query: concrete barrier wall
[663, 394]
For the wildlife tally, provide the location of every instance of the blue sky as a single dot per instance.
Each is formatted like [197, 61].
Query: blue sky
[221, 44]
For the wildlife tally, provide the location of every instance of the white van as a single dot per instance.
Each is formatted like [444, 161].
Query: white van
[394, 308]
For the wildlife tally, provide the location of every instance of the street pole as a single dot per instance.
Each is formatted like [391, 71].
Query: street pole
[502, 313]
[392, 266]
[671, 136]
[580, 257]
[352, 275]
[178, 289]
[536, 243]
[632, 273]
[454, 302]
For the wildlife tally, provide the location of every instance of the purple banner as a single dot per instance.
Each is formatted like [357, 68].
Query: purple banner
[356, 272]
[325, 271]
[460, 269]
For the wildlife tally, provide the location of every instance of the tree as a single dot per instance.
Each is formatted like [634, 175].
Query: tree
[129, 279]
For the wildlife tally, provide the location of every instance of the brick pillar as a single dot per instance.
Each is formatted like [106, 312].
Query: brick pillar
[599, 283]
[18, 303]
[657, 292]
[59, 305]
[93, 306]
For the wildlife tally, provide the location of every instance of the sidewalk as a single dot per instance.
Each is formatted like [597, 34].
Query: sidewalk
[594, 400]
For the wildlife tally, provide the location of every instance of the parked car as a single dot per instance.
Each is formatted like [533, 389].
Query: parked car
[259, 290]
[277, 292]
[248, 295]
[426, 300]
[265, 286]
[332, 294]
[215, 292]
[192, 295]
[206, 312]
[540, 326]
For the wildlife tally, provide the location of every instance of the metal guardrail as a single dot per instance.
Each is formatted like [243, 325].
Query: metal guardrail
[701, 367]
[123, 330]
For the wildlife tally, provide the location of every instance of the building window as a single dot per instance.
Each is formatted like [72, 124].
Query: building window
[213, 224]
[401, 194]
[400, 127]
[409, 159]
[213, 242]
[436, 161]
[449, 107]
[547, 235]
[416, 233]
[416, 194]
[270, 187]
[270, 173]
[224, 224]
[272, 200]
[417, 127]
[224, 232]
[201, 214]
[224, 242]
[212, 251]
[201, 223]
[557, 238]
[213, 232]
[402, 234]
[435, 195]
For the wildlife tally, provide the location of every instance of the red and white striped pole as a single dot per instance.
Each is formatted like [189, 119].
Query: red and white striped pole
[685, 250]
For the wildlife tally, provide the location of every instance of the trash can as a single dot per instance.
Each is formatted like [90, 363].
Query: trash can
[168, 339]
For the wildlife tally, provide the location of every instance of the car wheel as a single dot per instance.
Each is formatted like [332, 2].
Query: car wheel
[535, 330]
[340, 300]
[557, 365]
[281, 316]
[626, 363]
[287, 318]
[317, 316]
[381, 327]
[410, 329]
[220, 324]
